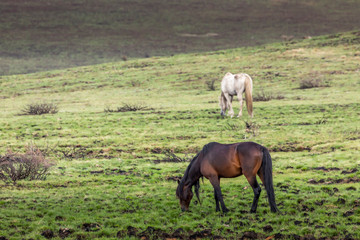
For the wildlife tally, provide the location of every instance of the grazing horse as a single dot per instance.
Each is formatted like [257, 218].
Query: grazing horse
[217, 161]
[236, 84]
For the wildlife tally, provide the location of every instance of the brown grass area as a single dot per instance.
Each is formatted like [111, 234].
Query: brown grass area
[40, 35]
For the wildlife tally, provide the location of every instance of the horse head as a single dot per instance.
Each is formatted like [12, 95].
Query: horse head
[185, 194]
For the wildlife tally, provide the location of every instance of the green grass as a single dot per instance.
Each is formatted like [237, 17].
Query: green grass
[43, 35]
[119, 183]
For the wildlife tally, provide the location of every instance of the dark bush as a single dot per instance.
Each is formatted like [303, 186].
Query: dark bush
[40, 108]
[73, 152]
[312, 83]
[211, 85]
[127, 108]
[252, 127]
[266, 96]
[172, 157]
[31, 165]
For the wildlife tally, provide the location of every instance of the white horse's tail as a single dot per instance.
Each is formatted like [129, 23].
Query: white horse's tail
[248, 95]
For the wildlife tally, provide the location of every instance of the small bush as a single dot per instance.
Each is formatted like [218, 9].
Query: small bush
[135, 83]
[172, 157]
[127, 108]
[322, 120]
[31, 165]
[73, 152]
[40, 108]
[211, 85]
[312, 83]
[263, 96]
[252, 127]
[232, 127]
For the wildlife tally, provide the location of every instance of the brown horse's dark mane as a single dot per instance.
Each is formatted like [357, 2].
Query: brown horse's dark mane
[196, 183]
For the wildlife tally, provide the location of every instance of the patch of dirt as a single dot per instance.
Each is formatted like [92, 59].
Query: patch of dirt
[91, 227]
[65, 232]
[326, 169]
[341, 201]
[59, 218]
[48, 234]
[319, 203]
[305, 208]
[156, 233]
[351, 189]
[334, 181]
[268, 228]
[354, 170]
[250, 235]
[114, 171]
[290, 147]
[348, 213]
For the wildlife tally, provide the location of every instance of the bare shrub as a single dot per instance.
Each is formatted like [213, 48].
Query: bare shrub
[74, 152]
[31, 165]
[252, 127]
[322, 120]
[312, 83]
[40, 108]
[172, 157]
[263, 96]
[232, 126]
[211, 85]
[126, 107]
[135, 83]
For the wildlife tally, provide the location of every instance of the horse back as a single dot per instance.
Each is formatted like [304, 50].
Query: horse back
[231, 160]
[220, 160]
[234, 83]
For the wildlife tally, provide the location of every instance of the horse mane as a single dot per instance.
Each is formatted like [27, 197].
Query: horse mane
[183, 180]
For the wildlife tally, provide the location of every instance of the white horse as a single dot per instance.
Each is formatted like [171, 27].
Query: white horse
[236, 84]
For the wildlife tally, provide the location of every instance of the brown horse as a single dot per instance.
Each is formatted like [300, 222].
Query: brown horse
[217, 161]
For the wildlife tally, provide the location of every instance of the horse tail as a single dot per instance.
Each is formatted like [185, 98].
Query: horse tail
[248, 95]
[268, 179]
[222, 101]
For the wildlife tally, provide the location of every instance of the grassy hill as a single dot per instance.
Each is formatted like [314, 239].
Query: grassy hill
[114, 176]
[42, 35]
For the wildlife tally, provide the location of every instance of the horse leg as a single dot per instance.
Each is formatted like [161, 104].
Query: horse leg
[229, 101]
[257, 190]
[239, 95]
[215, 182]
[216, 201]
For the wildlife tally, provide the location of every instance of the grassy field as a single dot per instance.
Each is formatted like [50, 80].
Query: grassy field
[42, 35]
[113, 178]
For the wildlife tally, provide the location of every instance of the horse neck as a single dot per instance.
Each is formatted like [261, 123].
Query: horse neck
[192, 173]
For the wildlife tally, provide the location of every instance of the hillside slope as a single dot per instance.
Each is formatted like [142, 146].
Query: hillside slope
[43, 35]
[116, 173]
